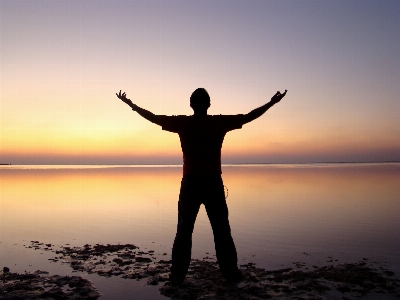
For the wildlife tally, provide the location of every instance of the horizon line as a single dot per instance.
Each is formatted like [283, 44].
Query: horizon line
[224, 164]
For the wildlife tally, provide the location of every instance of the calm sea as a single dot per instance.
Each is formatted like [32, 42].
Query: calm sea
[279, 214]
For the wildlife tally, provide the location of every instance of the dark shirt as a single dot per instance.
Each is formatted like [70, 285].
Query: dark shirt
[201, 139]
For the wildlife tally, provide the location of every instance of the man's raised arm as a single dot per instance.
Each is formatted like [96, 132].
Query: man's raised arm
[144, 113]
[258, 112]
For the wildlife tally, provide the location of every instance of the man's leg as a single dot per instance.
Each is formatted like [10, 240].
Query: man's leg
[188, 207]
[217, 212]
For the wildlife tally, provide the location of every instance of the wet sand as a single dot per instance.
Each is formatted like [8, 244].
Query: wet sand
[335, 280]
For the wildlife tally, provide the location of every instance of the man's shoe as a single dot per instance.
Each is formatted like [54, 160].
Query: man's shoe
[235, 277]
[176, 280]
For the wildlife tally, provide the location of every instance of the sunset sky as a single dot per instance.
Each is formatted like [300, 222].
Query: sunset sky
[63, 61]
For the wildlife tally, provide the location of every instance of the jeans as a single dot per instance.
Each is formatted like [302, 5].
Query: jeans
[207, 190]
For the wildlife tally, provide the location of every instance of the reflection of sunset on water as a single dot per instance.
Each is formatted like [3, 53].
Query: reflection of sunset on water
[111, 200]
[274, 210]
[313, 203]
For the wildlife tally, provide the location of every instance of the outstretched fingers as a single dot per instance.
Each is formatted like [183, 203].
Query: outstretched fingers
[121, 95]
[278, 93]
[278, 96]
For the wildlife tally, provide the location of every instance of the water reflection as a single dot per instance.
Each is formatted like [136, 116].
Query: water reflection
[276, 212]
[107, 205]
[349, 209]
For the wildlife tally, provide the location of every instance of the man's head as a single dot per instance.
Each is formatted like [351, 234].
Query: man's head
[200, 101]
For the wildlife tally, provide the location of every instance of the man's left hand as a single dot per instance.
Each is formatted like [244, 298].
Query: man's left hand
[278, 96]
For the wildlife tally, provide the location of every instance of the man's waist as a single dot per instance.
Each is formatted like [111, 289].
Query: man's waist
[210, 166]
[210, 175]
[202, 171]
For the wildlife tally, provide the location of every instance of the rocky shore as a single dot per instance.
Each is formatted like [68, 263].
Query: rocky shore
[204, 281]
[39, 285]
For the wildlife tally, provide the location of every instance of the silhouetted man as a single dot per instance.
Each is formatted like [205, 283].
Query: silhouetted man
[201, 137]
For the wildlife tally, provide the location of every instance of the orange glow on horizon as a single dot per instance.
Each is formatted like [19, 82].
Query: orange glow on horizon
[161, 145]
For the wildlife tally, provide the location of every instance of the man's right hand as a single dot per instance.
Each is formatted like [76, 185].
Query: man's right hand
[278, 97]
[122, 96]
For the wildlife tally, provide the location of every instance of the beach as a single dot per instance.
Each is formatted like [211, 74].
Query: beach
[127, 271]
[306, 218]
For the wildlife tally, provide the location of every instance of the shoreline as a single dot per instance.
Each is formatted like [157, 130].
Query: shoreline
[333, 280]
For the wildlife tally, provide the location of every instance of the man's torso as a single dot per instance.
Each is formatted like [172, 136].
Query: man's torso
[201, 139]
